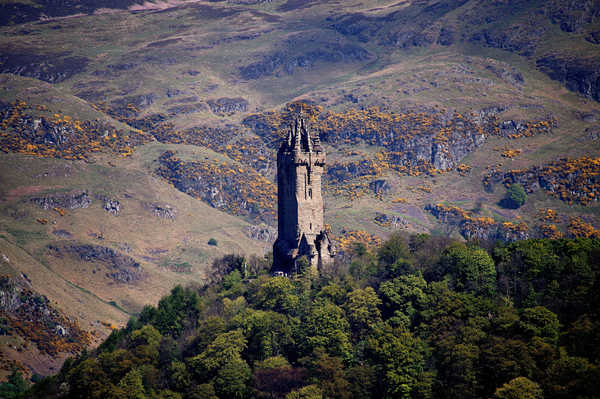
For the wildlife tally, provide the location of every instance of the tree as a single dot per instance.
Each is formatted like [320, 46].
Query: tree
[472, 269]
[402, 297]
[330, 371]
[268, 333]
[226, 348]
[519, 388]
[362, 380]
[503, 359]
[145, 343]
[132, 386]
[179, 377]
[202, 391]
[362, 309]
[174, 312]
[402, 360]
[326, 326]
[275, 377]
[540, 322]
[275, 293]
[14, 387]
[515, 197]
[233, 378]
[307, 392]
[394, 257]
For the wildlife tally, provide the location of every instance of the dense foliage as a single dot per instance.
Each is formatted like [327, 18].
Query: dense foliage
[515, 197]
[417, 317]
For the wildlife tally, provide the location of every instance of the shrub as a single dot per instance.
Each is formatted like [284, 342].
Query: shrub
[213, 242]
[515, 197]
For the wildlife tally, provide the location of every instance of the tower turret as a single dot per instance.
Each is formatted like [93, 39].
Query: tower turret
[300, 164]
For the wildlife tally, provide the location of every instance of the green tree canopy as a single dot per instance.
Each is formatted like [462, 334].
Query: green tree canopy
[515, 197]
[471, 268]
[519, 388]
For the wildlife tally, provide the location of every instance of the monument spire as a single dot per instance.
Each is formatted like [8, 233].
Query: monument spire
[301, 231]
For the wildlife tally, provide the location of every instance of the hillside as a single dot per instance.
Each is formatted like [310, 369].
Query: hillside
[133, 133]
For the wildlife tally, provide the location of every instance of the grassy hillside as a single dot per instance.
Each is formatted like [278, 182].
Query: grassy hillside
[134, 133]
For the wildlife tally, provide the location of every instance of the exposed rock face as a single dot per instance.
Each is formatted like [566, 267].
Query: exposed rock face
[261, 233]
[51, 69]
[479, 228]
[300, 162]
[124, 269]
[578, 74]
[572, 16]
[340, 172]
[58, 137]
[164, 211]
[112, 206]
[62, 233]
[67, 201]
[228, 105]
[32, 316]
[19, 12]
[130, 106]
[520, 38]
[380, 187]
[573, 180]
[227, 187]
[506, 72]
[186, 108]
[289, 61]
[412, 138]
[393, 221]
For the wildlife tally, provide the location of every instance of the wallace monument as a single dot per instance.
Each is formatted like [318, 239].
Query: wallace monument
[300, 162]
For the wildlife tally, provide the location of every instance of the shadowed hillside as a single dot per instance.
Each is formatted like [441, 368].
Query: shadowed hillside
[135, 133]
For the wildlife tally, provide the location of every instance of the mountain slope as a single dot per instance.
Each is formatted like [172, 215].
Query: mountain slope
[133, 133]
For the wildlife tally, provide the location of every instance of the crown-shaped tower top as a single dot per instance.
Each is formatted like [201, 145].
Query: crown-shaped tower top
[299, 138]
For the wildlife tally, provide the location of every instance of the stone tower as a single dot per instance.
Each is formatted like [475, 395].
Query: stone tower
[300, 162]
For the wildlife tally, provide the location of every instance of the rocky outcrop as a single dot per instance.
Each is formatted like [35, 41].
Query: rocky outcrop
[417, 24]
[186, 108]
[289, 61]
[66, 201]
[479, 228]
[31, 316]
[261, 233]
[228, 105]
[20, 12]
[135, 103]
[111, 206]
[340, 172]
[380, 187]
[62, 233]
[163, 211]
[572, 16]
[571, 180]
[581, 75]
[506, 72]
[521, 38]
[61, 136]
[394, 222]
[122, 268]
[412, 139]
[230, 188]
[49, 68]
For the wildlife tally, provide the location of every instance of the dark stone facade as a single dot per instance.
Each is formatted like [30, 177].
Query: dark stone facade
[300, 163]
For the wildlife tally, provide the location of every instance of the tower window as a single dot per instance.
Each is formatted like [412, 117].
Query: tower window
[311, 226]
[310, 192]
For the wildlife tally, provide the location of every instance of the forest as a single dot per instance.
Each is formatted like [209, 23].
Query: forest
[417, 316]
